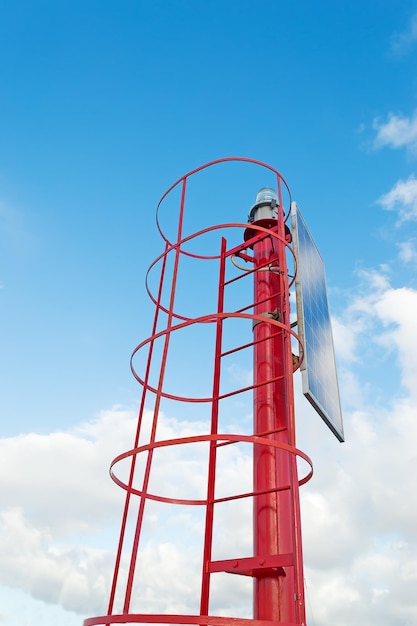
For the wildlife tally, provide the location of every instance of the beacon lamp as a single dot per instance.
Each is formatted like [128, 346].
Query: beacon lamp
[265, 206]
[264, 212]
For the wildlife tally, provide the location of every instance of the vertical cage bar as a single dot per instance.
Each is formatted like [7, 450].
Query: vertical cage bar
[211, 476]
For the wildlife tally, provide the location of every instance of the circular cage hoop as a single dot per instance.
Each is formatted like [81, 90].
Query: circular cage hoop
[204, 320]
[197, 620]
[183, 179]
[177, 247]
[224, 439]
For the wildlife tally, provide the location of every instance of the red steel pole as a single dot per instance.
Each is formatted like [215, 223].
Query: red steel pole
[274, 588]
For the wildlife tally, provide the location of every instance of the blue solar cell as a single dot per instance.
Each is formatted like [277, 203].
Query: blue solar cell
[318, 369]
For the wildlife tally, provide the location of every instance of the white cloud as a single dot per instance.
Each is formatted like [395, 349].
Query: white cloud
[376, 282]
[397, 309]
[66, 575]
[359, 522]
[402, 198]
[379, 316]
[398, 132]
[345, 337]
[408, 252]
[63, 472]
[402, 42]
[56, 496]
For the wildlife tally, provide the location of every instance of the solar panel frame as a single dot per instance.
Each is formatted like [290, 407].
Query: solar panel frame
[318, 369]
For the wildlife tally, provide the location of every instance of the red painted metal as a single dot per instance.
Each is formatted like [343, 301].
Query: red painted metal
[276, 565]
[276, 593]
[146, 618]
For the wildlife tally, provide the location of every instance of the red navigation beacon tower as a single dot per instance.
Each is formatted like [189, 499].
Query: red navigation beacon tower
[242, 315]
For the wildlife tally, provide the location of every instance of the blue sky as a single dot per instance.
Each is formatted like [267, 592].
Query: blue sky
[104, 105]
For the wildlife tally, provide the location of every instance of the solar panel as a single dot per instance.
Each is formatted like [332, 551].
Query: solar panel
[319, 375]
